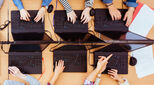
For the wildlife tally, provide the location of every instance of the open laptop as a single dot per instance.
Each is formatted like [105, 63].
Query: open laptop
[74, 56]
[119, 60]
[72, 32]
[23, 30]
[104, 24]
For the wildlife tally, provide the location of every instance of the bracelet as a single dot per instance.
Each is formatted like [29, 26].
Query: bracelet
[109, 4]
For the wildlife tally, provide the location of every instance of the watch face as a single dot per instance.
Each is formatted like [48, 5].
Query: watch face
[99, 75]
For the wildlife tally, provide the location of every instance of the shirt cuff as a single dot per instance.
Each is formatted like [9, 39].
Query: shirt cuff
[87, 82]
[107, 1]
[131, 4]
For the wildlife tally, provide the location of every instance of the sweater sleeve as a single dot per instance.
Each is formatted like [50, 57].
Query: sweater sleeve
[66, 5]
[19, 4]
[46, 2]
[31, 80]
[11, 82]
[1, 2]
[131, 3]
[89, 3]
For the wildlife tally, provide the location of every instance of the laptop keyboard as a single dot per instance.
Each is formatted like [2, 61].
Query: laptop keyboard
[118, 61]
[75, 61]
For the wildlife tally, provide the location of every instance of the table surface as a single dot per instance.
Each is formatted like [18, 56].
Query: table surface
[65, 78]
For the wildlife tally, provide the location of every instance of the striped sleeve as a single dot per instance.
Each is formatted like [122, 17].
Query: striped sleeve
[89, 3]
[66, 5]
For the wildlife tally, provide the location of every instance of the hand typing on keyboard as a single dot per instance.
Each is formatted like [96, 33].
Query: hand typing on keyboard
[85, 17]
[71, 16]
[114, 75]
[24, 15]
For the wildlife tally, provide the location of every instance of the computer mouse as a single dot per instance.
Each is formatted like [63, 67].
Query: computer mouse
[133, 61]
[92, 12]
[50, 8]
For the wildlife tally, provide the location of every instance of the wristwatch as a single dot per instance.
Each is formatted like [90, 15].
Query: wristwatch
[99, 75]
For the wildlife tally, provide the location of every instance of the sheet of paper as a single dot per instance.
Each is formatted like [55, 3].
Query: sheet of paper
[145, 61]
[143, 22]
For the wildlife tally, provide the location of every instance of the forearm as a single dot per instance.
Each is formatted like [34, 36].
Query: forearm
[66, 5]
[46, 2]
[19, 4]
[92, 77]
[89, 3]
[54, 78]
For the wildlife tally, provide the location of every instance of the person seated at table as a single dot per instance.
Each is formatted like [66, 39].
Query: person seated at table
[94, 77]
[1, 2]
[59, 67]
[24, 15]
[71, 16]
[115, 13]
[17, 73]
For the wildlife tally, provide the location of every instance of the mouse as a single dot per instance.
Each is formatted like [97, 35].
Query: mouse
[50, 8]
[133, 61]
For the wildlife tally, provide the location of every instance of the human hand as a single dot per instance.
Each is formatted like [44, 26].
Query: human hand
[24, 15]
[114, 75]
[85, 16]
[16, 72]
[114, 13]
[59, 67]
[71, 16]
[129, 16]
[102, 62]
[40, 14]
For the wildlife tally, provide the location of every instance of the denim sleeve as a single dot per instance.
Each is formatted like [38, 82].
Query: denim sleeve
[32, 80]
[46, 2]
[19, 4]
[107, 1]
[131, 3]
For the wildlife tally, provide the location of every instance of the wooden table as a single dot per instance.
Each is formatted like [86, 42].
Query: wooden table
[65, 78]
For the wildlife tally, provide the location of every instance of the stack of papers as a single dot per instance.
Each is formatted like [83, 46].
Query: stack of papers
[143, 22]
[145, 61]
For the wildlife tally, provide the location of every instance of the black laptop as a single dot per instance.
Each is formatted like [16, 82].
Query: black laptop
[104, 24]
[74, 56]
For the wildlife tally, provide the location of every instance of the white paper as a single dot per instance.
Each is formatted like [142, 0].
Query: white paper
[143, 22]
[145, 61]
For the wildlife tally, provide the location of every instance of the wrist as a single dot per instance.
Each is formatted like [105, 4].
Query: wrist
[22, 76]
[45, 7]
[131, 9]
[109, 4]
[97, 70]
[88, 8]
[120, 80]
